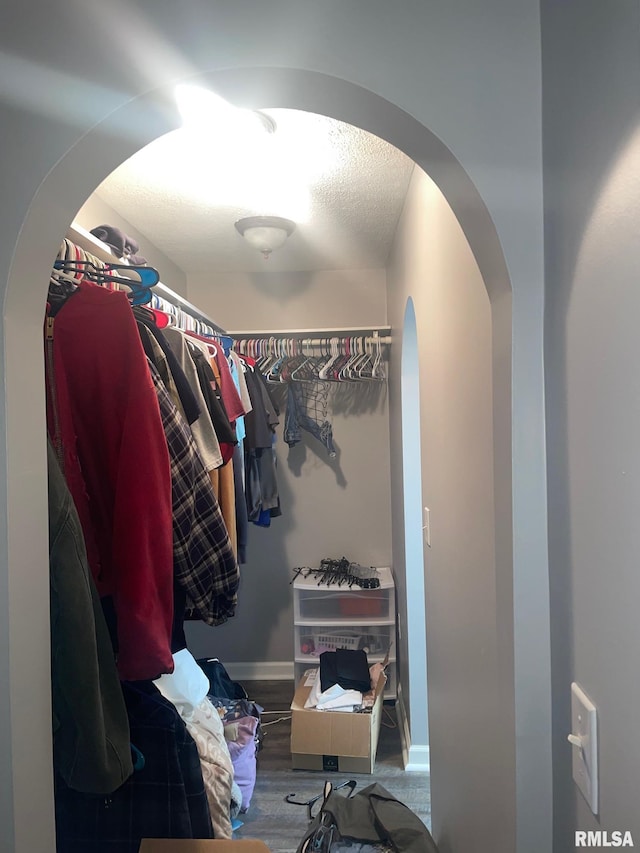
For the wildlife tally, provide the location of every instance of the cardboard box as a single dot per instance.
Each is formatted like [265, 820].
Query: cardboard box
[194, 845]
[334, 740]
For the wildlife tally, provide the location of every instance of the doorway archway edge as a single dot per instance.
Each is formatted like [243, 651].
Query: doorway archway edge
[518, 410]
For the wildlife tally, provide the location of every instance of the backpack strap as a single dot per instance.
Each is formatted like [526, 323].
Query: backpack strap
[323, 823]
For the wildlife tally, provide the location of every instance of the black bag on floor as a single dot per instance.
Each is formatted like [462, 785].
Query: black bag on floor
[220, 682]
[371, 820]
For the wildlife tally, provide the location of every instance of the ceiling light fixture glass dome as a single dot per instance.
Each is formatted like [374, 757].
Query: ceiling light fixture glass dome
[265, 233]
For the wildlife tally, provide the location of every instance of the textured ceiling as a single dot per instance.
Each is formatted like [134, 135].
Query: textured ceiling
[342, 186]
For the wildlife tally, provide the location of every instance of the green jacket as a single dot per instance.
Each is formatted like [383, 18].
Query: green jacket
[91, 747]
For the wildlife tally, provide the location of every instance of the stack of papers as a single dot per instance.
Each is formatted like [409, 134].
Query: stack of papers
[335, 698]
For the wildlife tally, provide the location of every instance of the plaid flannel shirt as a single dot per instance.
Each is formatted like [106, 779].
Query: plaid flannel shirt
[164, 799]
[204, 563]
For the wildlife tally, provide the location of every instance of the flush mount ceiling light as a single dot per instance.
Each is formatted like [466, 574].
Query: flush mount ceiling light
[265, 233]
[203, 110]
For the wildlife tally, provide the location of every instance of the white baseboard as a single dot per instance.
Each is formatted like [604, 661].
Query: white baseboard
[280, 670]
[418, 759]
[415, 757]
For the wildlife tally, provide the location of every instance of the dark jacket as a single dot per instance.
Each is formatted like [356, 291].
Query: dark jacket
[90, 725]
[164, 799]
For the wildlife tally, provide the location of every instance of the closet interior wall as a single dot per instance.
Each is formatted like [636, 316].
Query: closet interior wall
[330, 507]
[96, 212]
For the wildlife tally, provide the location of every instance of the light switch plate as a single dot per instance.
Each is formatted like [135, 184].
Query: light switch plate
[584, 740]
[426, 527]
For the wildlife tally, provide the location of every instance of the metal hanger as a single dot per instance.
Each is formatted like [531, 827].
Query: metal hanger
[290, 798]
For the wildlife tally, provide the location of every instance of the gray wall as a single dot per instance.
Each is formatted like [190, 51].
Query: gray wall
[592, 189]
[433, 265]
[455, 85]
[96, 212]
[298, 300]
[330, 508]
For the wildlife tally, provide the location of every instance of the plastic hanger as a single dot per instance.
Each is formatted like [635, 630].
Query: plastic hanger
[354, 352]
[318, 363]
[360, 359]
[140, 284]
[365, 366]
[60, 289]
[275, 370]
[269, 357]
[146, 276]
[339, 368]
[377, 371]
[226, 342]
[290, 366]
[305, 371]
[323, 373]
[343, 374]
[137, 758]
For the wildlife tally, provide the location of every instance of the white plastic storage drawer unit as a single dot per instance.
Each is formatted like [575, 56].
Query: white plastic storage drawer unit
[328, 617]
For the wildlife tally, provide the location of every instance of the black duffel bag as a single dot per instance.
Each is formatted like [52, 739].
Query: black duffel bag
[370, 820]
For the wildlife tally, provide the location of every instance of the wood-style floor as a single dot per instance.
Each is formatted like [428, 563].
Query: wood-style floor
[281, 825]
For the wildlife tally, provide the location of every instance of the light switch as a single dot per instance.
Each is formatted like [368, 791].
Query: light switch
[584, 743]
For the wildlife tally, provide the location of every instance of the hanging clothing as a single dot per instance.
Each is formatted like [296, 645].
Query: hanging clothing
[164, 799]
[104, 422]
[238, 368]
[304, 411]
[204, 563]
[190, 406]
[242, 521]
[262, 420]
[222, 480]
[230, 395]
[237, 372]
[90, 726]
[261, 489]
[157, 357]
[223, 484]
[202, 429]
[215, 406]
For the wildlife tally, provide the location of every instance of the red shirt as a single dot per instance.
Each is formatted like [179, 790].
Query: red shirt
[104, 421]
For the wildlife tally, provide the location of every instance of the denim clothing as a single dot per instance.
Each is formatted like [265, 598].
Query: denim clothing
[296, 419]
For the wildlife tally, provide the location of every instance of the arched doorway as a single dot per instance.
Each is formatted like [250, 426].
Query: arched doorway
[58, 198]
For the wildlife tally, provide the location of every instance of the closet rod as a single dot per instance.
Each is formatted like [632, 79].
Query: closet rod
[187, 307]
[324, 342]
[345, 331]
[86, 240]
